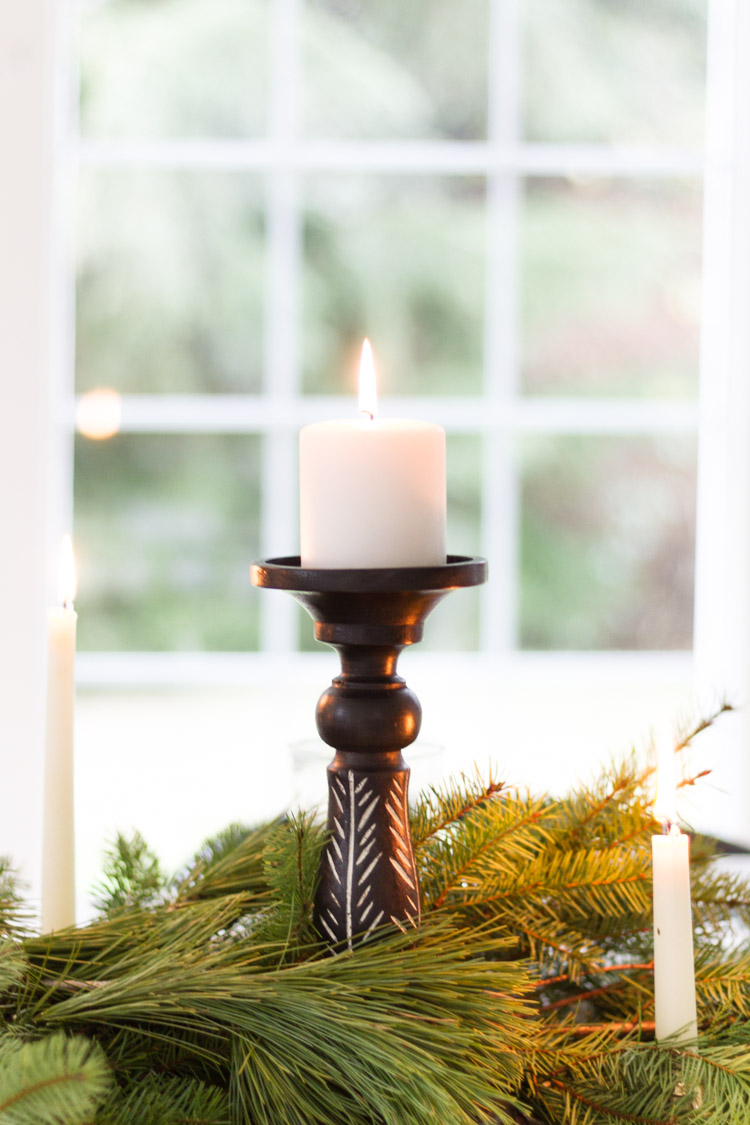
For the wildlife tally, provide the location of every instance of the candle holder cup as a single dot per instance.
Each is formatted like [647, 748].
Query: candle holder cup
[367, 875]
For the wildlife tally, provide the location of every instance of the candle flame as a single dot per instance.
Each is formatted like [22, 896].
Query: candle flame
[67, 573]
[665, 805]
[368, 395]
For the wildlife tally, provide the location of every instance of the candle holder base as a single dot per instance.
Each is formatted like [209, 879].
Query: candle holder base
[367, 875]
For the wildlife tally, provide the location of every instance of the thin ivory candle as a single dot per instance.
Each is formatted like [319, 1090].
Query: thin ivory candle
[372, 491]
[674, 966]
[58, 849]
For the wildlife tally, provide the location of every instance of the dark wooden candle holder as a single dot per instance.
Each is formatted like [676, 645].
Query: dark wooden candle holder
[368, 715]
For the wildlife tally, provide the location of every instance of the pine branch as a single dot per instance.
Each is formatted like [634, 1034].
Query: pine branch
[303, 1015]
[229, 863]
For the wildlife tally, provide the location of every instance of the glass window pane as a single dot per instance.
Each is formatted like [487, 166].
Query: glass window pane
[170, 281]
[165, 529]
[395, 70]
[453, 626]
[606, 72]
[401, 260]
[177, 68]
[607, 542]
[611, 277]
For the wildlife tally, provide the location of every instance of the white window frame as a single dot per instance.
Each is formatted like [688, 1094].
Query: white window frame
[36, 395]
[500, 413]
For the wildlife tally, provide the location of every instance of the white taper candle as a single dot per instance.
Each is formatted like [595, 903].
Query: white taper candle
[674, 966]
[58, 842]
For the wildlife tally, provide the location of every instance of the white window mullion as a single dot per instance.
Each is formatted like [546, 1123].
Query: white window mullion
[722, 592]
[499, 625]
[279, 532]
[472, 158]
[238, 414]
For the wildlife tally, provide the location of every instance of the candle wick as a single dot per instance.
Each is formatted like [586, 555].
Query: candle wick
[67, 602]
[368, 414]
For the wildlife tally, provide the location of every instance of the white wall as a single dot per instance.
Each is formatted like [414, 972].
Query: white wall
[722, 612]
[26, 207]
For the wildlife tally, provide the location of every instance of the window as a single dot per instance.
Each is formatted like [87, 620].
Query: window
[262, 184]
[508, 198]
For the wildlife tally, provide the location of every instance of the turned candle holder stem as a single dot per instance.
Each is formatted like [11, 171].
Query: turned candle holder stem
[368, 875]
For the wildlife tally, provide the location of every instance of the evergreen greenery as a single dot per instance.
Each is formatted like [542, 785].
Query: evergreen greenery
[527, 993]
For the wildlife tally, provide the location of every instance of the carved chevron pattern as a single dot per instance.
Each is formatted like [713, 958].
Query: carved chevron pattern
[369, 830]
[352, 861]
[402, 859]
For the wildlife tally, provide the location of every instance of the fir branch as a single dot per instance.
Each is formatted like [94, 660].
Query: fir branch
[290, 864]
[721, 900]
[555, 946]
[620, 785]
[133, 877]
[14, 915]
[494, 839]
[439, 809]
[55, 1080]
[724, 982]
[155, 1100]
[12, 965]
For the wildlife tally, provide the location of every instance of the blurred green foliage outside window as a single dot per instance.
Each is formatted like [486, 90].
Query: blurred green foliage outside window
[173, 268]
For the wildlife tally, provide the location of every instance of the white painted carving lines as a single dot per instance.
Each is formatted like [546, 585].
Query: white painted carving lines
[403, 861]
[375, 922]
[353, 856]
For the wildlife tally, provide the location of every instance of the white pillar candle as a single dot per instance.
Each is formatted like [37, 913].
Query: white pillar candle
[372, 491]
[674, 967]
[58, 851]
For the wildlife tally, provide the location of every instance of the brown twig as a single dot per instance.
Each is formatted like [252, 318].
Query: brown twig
[579, 997]
[630, 967]
[692, 780]
[704, 724]
[619, 1028]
